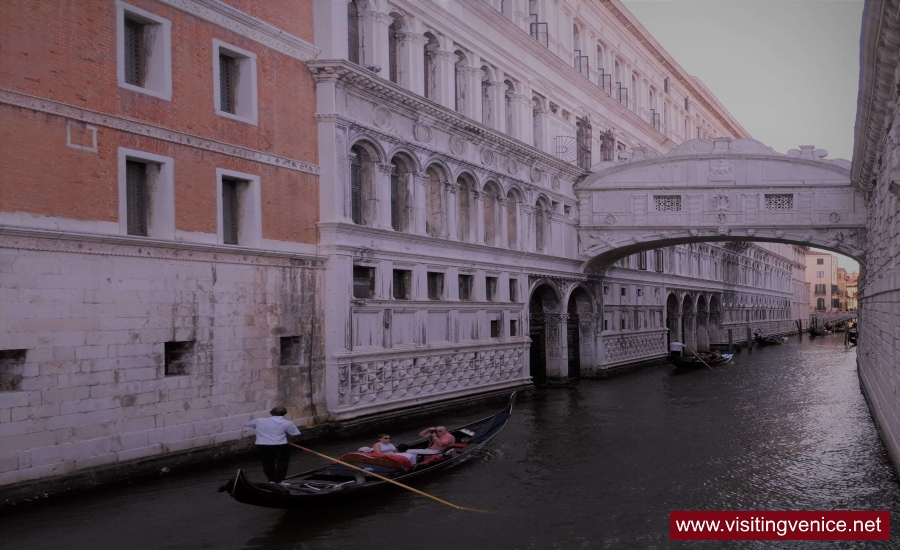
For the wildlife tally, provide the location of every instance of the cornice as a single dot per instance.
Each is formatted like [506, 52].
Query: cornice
[879, 44]
[49, 106]
[238, 22]
[682, 78]
[143, 247]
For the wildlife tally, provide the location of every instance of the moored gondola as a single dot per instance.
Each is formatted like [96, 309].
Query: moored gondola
[704, 359]
[818, 331]
[770, 340]
[337, 483]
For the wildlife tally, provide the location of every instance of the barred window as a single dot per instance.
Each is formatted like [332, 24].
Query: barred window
[780, 202]
[667, 203]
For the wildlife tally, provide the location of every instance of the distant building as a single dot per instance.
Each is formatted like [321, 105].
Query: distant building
[822, 276]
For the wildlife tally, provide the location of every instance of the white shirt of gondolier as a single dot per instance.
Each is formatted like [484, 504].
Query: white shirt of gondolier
[272, 430]
[676, 346]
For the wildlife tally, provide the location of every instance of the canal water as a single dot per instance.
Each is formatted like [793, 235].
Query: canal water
[599, 465]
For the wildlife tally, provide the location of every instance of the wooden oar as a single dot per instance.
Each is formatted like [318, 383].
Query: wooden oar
[397, 483]
[701, 359]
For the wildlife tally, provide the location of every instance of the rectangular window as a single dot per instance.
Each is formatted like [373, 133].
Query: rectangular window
[238, 204]
[12, 369]
[137, 196]
[820, 289]
[146, 195]
[642, 260]
[513, 290]
[660, 261]
[363, 282]
[780, 202]
[144, 52]
[820, 274]
[179, 357]
[495, 329]
[465, 287]
[234, 77]
[513, 328]
[435, 286]
[623, 291]
[820, 261]
[402, 284]
[667, 203]
[490, 288]
[290, 350]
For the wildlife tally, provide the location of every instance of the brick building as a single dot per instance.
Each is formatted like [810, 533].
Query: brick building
[157, 226]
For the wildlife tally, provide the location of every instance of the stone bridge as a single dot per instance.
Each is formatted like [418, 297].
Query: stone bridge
[719, 190]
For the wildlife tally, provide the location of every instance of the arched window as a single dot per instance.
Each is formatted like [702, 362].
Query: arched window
[464, 209]
[394, 51]
[434, 220]
[491, 214]
[361, 194]
[510, 108]
[353, 35]
[399, 194]
[512, 220]
[540, 226]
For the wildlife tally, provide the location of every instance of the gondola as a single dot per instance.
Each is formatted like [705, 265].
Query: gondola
[818, 331]
[691, 361]
[771, 340]
[337, 483]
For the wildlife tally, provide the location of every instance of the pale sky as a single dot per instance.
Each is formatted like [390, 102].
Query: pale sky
[787, 70]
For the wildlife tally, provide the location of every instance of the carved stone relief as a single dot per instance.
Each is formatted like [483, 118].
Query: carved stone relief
[382, 118]
[422, 132]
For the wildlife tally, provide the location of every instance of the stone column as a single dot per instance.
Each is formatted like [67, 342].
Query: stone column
[496, 106]
[445, 68]
[375, 41]
[382, 192]
[411, 74]
[500, 232]
[330, 28]
[418, 202]
[526, 229]
[522, 126]
[469, 81]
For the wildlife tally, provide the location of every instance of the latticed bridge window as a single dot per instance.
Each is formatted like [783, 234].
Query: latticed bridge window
[780, 202]
[667, 203]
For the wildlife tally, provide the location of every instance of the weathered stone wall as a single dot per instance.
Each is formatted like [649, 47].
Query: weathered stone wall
[84, 330]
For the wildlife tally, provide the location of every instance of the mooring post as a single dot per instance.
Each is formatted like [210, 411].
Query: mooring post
[749, 340]
[730, 340]
[800, 328]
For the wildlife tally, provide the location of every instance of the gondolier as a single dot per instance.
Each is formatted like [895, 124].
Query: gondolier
[272, 443]
[676, 350]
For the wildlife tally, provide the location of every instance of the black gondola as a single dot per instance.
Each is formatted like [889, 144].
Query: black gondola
[340, 483]
[818, 331]
[705, 359]
[771, 340]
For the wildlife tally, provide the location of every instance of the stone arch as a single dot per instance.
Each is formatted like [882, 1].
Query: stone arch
[364, 158]
[580, 327]
[715, 320]
[673, 318]
[689, 321]
[544, 321]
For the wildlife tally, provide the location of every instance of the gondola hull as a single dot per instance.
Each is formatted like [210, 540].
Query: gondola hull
[771, 340]
[339, 483]
[691, 362]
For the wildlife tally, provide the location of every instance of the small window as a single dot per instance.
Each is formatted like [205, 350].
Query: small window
[363, 282]
[234, 75]
[402, 284]
[660, 261]
[146, 195]
[642, 260]
[138, 195]
[780, 202]
[640, 292]
[820, 274]
[606, 324]
[513, 290]
[465, 287]
[12, 369]
[490, 288]
[435, 286]
[622, 323]
[623, 291]
[667, 203]
[513, 328]
[290, 350]
[820, 261]
[144, 60]
[238, 203]
[605, 290]
[495, 329]
[666, 84]
[179, 358]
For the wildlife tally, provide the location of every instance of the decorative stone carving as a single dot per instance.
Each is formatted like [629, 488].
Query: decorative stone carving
[723, 230]
[422, 132]
[721, 170]
[382, 118]
[457, 146]
[536, 174]
[751, 232]
[611, 219]
[834, 217]
[512, 166]
[779, 234]
[721, 203]
[693, 232]
[487, 157]
[554, 183]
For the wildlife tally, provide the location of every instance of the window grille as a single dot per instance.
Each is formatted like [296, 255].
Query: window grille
[227, 82]
[583, 139]
[581, 63]
[136, 197]
[820, 289]
[654, 119]
[393, 46]
[820, 261]
[513, 290]
[539, 31]
[622, 94]
[642, 262]
[230, 210]
[667, 203]
[660, 261]
[780, 202]
[495, 329]
[135, 58]
[604, 80]
[353, 32]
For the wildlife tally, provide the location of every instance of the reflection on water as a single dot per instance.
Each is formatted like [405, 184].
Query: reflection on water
[599, 466]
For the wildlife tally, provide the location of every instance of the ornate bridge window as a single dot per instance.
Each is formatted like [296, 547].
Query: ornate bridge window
[667, 203]
[780, 202]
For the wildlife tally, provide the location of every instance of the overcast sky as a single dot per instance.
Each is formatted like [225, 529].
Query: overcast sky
[787, 70]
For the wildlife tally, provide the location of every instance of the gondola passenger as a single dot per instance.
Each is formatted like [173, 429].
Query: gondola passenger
[439, 436]
[384, 445]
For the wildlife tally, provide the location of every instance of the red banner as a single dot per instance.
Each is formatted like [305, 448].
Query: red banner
[780, 525]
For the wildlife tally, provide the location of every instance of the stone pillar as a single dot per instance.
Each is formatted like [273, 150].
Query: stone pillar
[374, 27]
[469, 80]
[526, 229]
[334, 199]
[418, 196]
[522, 126]
[450, 207]
[496, 105]
[330, 28]
[411, 73]
[444, 81]
[540, 129]
[557, 347]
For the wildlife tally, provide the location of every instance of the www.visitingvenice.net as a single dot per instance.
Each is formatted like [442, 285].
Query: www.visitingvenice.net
[780, 525]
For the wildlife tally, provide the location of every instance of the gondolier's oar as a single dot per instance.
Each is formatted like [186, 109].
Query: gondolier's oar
[373, 474]
[701, 359]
